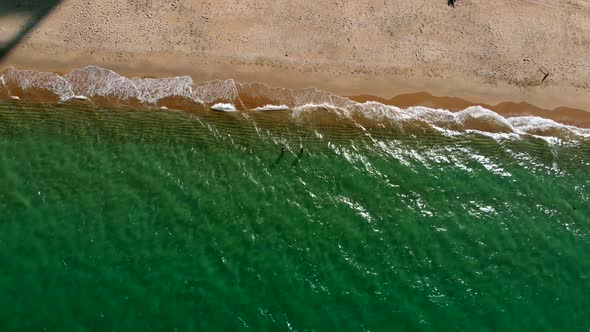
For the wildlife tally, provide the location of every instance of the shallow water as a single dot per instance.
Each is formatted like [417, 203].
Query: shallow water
[122, 219]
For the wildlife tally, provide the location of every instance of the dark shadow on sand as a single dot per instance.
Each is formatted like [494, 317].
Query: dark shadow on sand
[36, 9]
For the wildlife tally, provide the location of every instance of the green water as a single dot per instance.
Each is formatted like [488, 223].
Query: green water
[123, 220]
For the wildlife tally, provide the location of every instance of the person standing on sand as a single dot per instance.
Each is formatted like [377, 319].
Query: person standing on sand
[451, 3]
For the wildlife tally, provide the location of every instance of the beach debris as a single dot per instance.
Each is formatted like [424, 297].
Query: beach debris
[451, 3]
[545, 72]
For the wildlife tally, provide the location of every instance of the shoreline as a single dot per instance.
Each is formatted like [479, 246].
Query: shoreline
[163, 65]
[357, 92]
[487, 53]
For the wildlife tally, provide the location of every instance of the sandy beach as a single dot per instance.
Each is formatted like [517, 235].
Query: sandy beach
[480, 52]
[294, 165]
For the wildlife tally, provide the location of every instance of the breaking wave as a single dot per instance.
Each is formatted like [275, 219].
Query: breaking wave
[272, 108]
[224, 107]
[102, 86]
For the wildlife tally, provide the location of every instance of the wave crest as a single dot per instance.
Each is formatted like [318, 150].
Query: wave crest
[32, 84]
[472, 119]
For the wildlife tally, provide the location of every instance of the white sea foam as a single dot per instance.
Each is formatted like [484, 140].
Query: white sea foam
[151, 90]
[29, 79]
[356, 207]
[226, 95]
[290, 97]
[299, 111]
[474, 119]
[538, 125]
[94, 81]
[272, 108]
[216, 92]
[496, 136]
[224, 107]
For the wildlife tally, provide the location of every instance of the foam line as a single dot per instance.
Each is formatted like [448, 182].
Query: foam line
[93, 83]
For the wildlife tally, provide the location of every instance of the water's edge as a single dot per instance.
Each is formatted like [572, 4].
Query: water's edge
[104, 87]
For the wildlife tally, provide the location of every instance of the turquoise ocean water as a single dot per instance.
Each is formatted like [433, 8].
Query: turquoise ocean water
[136, 220]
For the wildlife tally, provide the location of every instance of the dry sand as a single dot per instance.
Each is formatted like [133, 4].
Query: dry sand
[483, 51]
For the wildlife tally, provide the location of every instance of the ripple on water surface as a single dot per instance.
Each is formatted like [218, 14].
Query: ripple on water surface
[136, 219]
